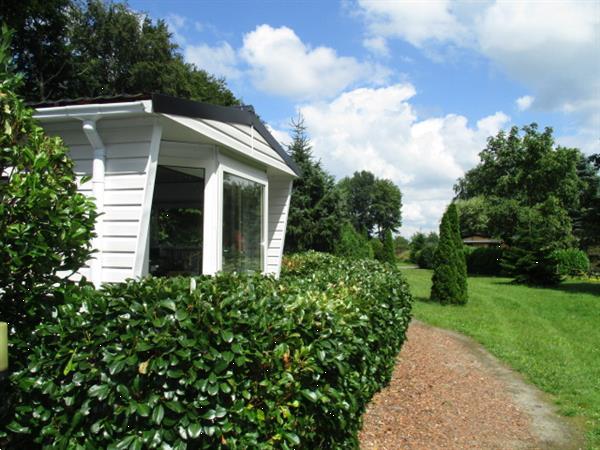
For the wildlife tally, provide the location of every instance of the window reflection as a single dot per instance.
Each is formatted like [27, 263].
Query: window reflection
[242, 224]
[176, 221]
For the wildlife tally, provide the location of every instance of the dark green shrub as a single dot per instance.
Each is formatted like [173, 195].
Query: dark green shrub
[45, 225]
[234, 361]
[449, 280]
[424, 257]
[484, 261]
[572, 262]
[353, 244]
[377, 247]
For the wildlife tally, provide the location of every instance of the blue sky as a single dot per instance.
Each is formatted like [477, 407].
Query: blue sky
[409, 90]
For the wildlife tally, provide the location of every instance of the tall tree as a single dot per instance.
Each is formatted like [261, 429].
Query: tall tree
[449, 280]
[528, 168]
[373, 205]
[69, 49]
[316, 215]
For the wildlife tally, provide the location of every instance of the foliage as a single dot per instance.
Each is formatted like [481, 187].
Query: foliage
[45, 224]
[540, 231]
[473, 216]
[586, 220]
[372, 204]
[388, 254]
[377, 247]
[401, 244]
[71, 49]
[233, 361]
[528, 168]
[550, 335]
[351, 244]
[484, 261]
[422, 248]
[449, 281]
[425, 257]
[572, 262]
[315, 217]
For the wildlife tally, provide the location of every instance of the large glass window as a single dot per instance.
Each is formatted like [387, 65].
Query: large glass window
[242, 224]
[176, 221]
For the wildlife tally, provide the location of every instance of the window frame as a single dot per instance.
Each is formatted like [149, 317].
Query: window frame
[238, 169]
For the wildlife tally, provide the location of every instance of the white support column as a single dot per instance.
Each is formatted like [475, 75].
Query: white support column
[98, 174]
[141, 253]
[213, 216]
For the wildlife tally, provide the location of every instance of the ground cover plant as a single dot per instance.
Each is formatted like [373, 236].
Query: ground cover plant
[550, 335]
[233, 361]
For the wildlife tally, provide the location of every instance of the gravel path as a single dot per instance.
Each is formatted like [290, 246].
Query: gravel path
[447, 392]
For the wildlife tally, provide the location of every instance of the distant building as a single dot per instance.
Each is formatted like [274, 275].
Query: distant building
[478, 240]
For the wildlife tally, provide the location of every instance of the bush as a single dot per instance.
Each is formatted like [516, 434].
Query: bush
[484, 261]
[424, 257]
[45, 225]
[572, 262]
[388, 254]
[352, 244]
[234, 361]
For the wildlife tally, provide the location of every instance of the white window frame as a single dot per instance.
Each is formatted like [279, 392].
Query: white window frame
[239, 169]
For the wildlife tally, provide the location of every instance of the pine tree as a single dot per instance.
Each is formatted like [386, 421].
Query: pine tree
[449, 273]
[316, 215]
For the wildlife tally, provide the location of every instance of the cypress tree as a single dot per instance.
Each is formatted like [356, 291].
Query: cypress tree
[450, 269]
[387, 253]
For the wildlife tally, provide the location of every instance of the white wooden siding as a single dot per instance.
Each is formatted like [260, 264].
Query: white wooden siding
[279, 203]
[127, 147]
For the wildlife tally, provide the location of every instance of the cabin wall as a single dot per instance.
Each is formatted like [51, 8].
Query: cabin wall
[280, 189]
[127, 144]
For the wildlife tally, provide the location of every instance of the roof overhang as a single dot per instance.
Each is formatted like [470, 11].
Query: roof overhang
[188, 113]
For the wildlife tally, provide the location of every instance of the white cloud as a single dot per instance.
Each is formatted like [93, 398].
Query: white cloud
[176, 25]
[524, 103]
[280, 63]
[377, 129]
[220, 60]
[549, 46]
[281, 136]
[417, 22]
[377, 45]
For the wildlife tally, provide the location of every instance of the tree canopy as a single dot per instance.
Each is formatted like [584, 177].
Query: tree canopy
[70, 49]
[372, 204]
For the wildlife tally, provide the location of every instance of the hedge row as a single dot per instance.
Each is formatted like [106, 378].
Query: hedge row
[226, 362]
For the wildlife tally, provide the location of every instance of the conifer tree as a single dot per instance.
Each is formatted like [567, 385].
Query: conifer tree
[449, 273]
[388, 254]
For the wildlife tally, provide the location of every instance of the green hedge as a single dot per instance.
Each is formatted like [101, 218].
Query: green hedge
[225, 362]
[484, 261]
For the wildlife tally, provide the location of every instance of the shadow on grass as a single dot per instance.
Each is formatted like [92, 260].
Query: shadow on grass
[579, 287]
[570, 287]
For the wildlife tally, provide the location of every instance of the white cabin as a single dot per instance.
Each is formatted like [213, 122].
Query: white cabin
[183, 187]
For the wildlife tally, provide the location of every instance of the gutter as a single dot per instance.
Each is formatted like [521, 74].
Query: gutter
[98, 175]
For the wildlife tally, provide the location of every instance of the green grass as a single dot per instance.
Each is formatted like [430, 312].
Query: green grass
[551, 336]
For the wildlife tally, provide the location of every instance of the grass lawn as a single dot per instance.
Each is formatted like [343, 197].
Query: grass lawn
[551, 336]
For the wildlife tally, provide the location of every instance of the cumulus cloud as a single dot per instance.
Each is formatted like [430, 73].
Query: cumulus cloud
[377, 45]
[220, 60]
[524, 103]
[377, 129]
[551, 47]
[415, 21]
[280, 63]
